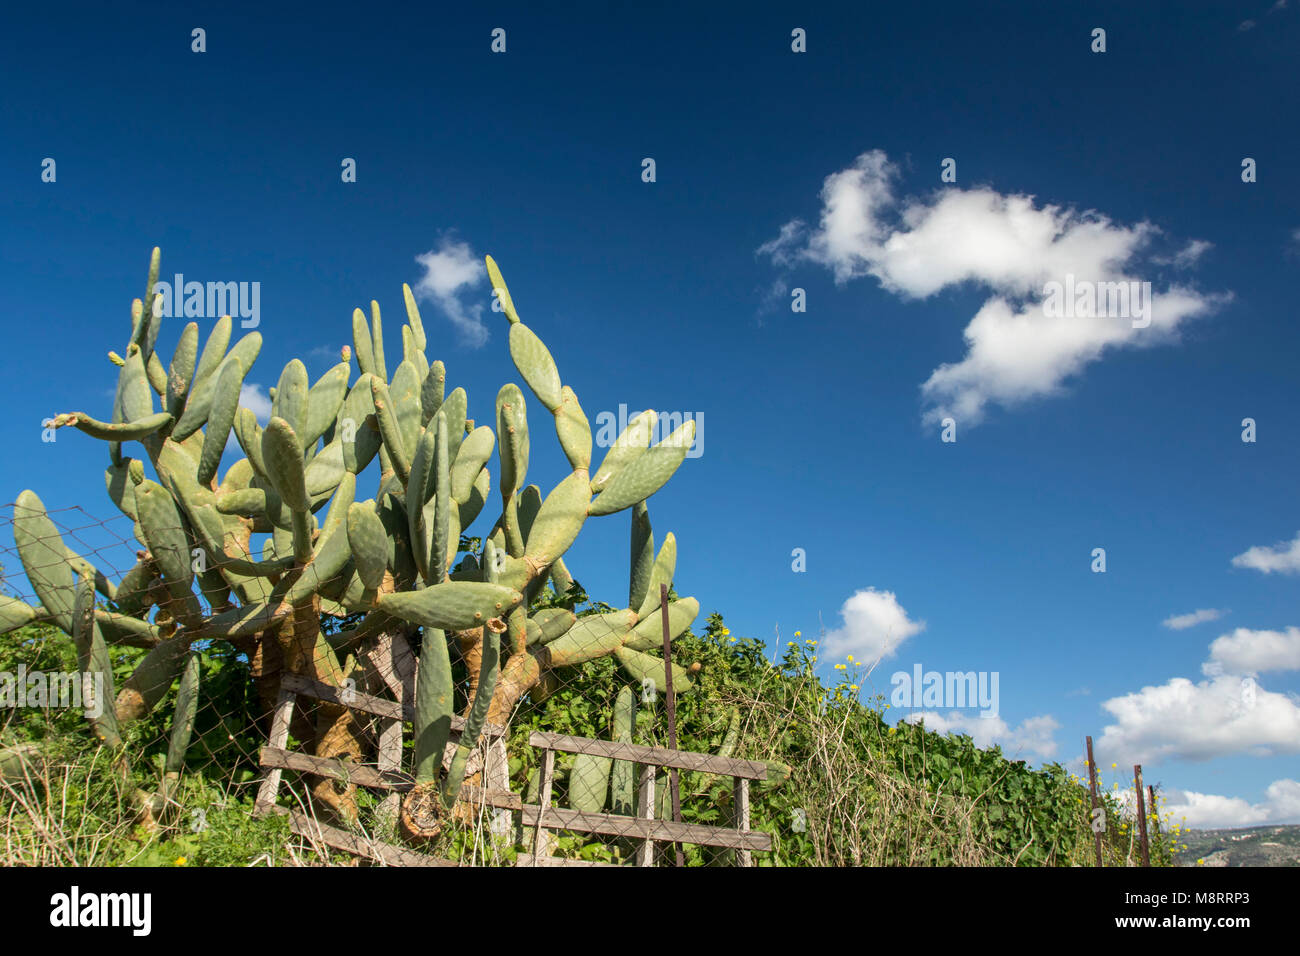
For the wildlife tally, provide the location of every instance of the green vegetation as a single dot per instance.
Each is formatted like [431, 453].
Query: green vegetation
[848, 788]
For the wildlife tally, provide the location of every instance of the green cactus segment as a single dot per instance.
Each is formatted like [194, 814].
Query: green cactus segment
[115, 431]
[214, 350]
[641, 667]
[180, 373]
[369, 543]
[225, 403]
[324, 472]
[200, 401]
[489, 668]
[15, 613]
[589, 782]
[165, 531]
[134, 396]
[451, 605]
[660, 574]
[478, 497]
[643, 555]
[413, 317]
[533, 632]
[595, 635]
[324, 400]
[157, 375]
[432, 391]
[362, 344]
[527, 504]
[282, 456]
[434, 695]
[120, 487]
[390, 430]
[512, 438]
[535, 364]
[95, 665]
[154, 675]
[187, 705]
[559, 520]
[144, 328]
[249, 434]
[474, 452]
[503, 294]
[649, 633]
[561, 577]
[442, 536]
[622, 781]
[574, 430]
[291, 397]
[628, 447]
[732, 736]
[405, 394]
[554, 621]
[647, 474]
[456, 407]
[360, 439]
[377, 341]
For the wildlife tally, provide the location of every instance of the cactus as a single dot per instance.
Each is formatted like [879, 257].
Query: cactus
[255, 554]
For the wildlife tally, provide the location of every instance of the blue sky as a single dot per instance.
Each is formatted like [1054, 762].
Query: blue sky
[774, 171]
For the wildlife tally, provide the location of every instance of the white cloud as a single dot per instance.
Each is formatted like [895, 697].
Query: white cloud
[916, 247]
[1254, 652]
[1222, 716]
[256, 401]
[448, 274]
[1283, 557]
[1245, 25]
[875, 624]
[1187, 256]
[1281, 805]
[1034, 736]
[1181, 622]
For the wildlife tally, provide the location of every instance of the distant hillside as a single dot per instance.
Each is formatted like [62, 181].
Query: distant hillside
[1248, 846]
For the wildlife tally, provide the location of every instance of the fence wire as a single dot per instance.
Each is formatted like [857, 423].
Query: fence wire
[288, 750]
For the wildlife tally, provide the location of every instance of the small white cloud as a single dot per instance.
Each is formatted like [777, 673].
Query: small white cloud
[1283, 557]
[918, 246]
[875, 624]
[252, 397]
[1181, 622]
[449, 273]
[1245, 25]
[1224, 716]
[1034, 736]
[1186, 257]
[1281, 805]
[1254, 652]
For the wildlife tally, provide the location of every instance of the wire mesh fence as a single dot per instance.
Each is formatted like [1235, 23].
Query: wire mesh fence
[291, 738]
[313, 720]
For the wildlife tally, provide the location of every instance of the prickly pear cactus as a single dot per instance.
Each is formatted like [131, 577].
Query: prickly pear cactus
[255, 555]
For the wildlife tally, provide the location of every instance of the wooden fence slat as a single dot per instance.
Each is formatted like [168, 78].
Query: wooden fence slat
[527, 859]
[387, 853]
[665, 831]
[741, 814]
[548, 772]
[360, 774]
[278, 739]
[658, 756]
[645, 854]
[371, 705]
